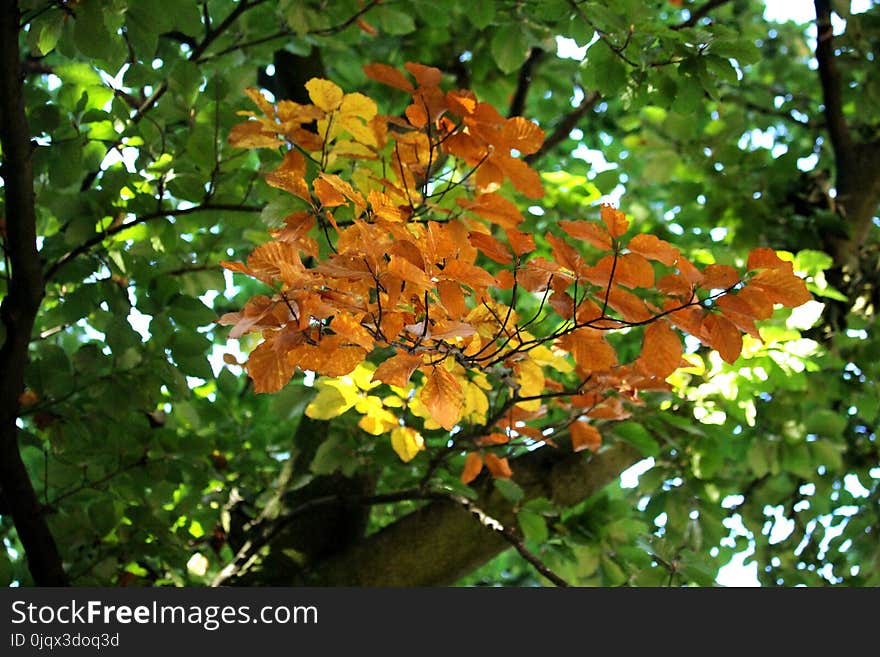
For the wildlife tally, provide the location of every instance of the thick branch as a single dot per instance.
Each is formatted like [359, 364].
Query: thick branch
[566, 125]
[20, 307]
[858, 164]
[523, 82]
[832, 90]
[441, 542]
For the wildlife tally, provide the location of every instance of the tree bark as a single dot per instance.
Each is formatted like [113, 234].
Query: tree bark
[19, 308]
[441, 542]
[857, 178]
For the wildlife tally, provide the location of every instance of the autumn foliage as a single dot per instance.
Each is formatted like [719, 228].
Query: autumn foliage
[406, 283]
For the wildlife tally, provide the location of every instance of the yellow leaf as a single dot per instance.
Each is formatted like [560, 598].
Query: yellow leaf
[530, 378]
[377, 419]
[324, 94]
[547, 357]
[407, 443]
[358, 105]
[335, 396]
[442, 396]
[476, 404]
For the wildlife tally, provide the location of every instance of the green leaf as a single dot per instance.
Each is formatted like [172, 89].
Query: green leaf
[481, 14]
[393, 21]
[509, 47]
[330, 456]
[45, 32]
[509, 489]
[638, 436]
[603, 70]
[826, 423]
[533, 526]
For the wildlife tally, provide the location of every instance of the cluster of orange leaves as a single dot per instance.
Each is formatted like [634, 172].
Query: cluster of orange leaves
[387, 260]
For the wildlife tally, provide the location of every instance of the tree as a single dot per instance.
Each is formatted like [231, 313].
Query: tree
[130, 458]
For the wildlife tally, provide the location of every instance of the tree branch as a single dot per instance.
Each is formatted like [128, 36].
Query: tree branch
[565, 126]
[699, 13]
[113, 230]
[439, 543]
[19, 308]
[523, 82]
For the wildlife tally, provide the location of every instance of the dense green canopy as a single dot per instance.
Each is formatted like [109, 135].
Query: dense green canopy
[133, 454]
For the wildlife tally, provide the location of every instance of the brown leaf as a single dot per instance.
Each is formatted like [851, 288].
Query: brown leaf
[585, 436]
[473, 463]
[397, 370]
[498, 467]
[589, 349]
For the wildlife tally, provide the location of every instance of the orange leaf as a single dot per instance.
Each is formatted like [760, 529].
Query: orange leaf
[470, 275]
[327, 194]
[525, 179]
[723, 336]
[494, 208]
[499, 467]
[352, 330]
[252, 134]
[473, 463]
[564, 253]
[761, 306]
[390, 76]
[781, 286]
[406, 271]
[719, 277]
[764, 258]
[630, 307]
[521, 243]
[693, 275]
[452, 298]
[675, 285]
[491, 247]
[585, 436]
[638, 271]
[268, 367]
[650, 246]
[426, 76]
[442, 396]
[588, 231]
[689, 319]
[398, 369]
[589, 349]
[738, 311]
[523, 135]
[614, 220]
[661, 349]
[496, 438]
